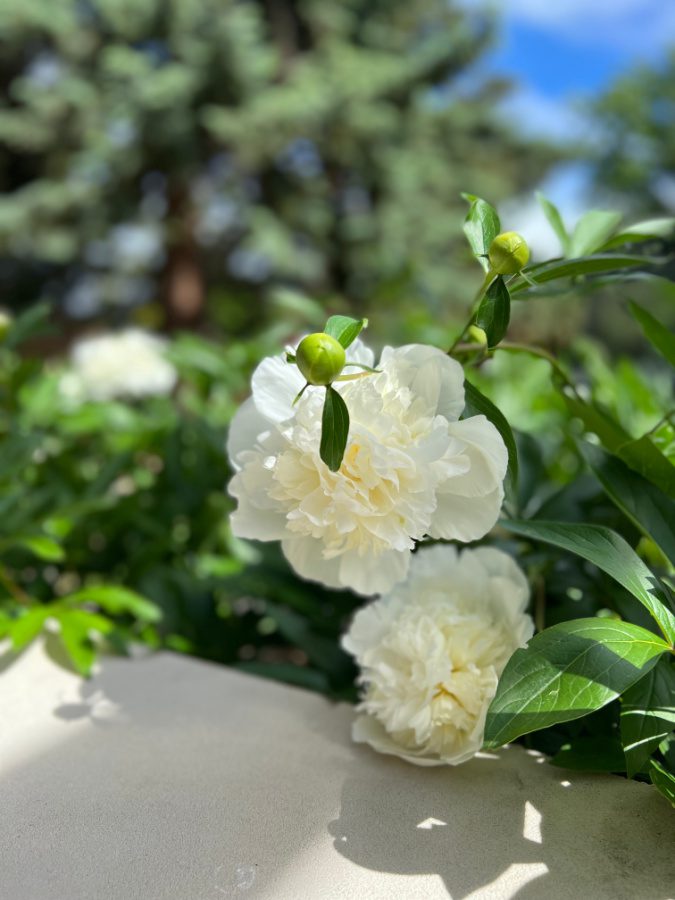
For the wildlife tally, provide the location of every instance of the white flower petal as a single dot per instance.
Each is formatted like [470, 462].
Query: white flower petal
[246, 427]
[487, 455]
[305, 554]
[368, 575]
[276, 383]
[367, 730]
[357, 352]
[466, 519]
[431, 651]
[431, 374]
[408, 468]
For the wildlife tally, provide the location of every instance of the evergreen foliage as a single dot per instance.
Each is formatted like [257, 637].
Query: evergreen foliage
[181, 150]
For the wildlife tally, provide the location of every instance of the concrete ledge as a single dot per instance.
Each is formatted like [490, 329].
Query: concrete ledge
[171, 778]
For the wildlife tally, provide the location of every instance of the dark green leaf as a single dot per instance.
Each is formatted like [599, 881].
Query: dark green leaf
[644, 504]
[334, 429]
[609, 552]
[592, 230]
[569, 268]
[663, 781]
[481, 227]
[648, 714]
[116, 600]
[555, 221]
[655, 332]
[567, 671]
[35, 321]
[344, 329]
[640, 454]
[478, 404]
[494, 312]
[591, 754]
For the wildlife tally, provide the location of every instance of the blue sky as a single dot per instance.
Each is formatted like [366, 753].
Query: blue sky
[559, 54]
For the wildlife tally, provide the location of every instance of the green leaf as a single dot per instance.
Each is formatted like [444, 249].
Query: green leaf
[76, 628]
[494, 312]
[656, 333]
[592, 230]
[116, 601]
[344, 329]
[663, 781]
[478, 404]
[640, 454]
[591, 754]
[334, 429]
[649, 230]
[648, 714]
[609, 552]
[43, 547]
[567, 671]
[643, 503]
[481, 227]
[569, 268]
[27, 627]
[555, 221]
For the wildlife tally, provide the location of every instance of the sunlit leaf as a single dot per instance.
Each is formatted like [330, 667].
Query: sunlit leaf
[648, 714]
[663, 781]
[116, 600]
[555, 221]
[570, 268]
[344, 329]
[592, 230]
[567, 671]
[481, 227]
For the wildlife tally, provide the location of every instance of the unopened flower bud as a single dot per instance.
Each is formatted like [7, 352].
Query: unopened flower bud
[320, 358]
[508, 253]
[5, 324]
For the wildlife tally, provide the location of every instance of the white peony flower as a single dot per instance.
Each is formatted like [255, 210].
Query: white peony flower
[410, 468]
[128, 363]
[431, 653]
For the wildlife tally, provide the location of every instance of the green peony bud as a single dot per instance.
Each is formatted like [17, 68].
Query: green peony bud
[5, 324]
[508, 253]
[320, 358]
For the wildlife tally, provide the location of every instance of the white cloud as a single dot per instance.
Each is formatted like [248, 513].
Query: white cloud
[552, 119]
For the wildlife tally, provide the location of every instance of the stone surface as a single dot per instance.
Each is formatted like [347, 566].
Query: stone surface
[171, 778]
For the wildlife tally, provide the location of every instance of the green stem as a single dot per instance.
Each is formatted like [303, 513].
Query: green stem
[487, 281]
[13, 588]
[540, 353]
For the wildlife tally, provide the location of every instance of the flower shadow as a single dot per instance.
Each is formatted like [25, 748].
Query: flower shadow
[505, 824]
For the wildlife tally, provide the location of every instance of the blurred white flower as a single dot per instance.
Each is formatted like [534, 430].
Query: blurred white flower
[410, 468]
[431, 653]
[128, 363]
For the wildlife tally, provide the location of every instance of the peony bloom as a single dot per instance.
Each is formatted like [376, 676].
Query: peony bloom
[432, 650]
[129, 363]
[410, 469]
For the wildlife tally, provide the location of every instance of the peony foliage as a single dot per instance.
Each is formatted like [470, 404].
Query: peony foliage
[355, 483]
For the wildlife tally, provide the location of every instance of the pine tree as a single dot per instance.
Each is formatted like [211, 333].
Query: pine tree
[185, 149]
